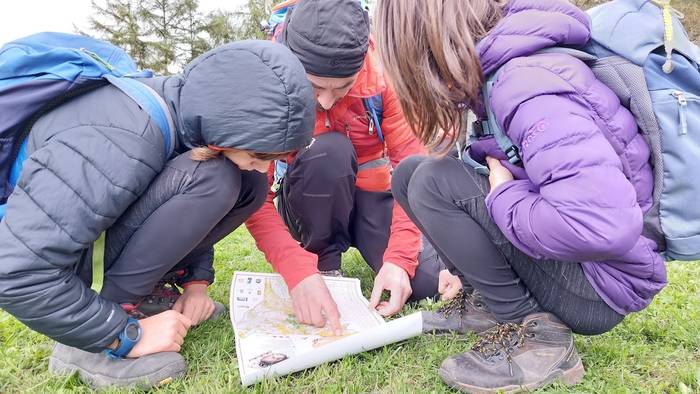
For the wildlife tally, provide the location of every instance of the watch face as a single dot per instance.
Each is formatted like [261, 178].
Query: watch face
[132, 331]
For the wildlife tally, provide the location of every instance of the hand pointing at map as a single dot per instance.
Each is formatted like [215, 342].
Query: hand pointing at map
[313, 304]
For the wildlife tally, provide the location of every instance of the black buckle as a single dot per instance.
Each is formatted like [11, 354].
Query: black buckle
[513, 155]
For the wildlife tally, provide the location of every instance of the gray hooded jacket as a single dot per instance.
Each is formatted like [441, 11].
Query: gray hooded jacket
[90, 158]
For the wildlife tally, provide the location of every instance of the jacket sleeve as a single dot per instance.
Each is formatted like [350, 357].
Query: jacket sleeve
[273, 238]
[71, 189]
[577, 204]
[404, 241]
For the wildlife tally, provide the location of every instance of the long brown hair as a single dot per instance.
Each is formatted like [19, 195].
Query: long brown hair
[428, 48]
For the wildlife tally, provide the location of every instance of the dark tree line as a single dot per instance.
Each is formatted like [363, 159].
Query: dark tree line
[164, 35]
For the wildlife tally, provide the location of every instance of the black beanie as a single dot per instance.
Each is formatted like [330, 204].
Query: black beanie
[330, 37]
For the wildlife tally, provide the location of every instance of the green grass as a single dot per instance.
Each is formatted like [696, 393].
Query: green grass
[655, 351]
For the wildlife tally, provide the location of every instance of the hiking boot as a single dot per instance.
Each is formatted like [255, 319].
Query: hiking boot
[138, 311]
[465, 313]
[163, 297]
[513, 357]
[99, 371]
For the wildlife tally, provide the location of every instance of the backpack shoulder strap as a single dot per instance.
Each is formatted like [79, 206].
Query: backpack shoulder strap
[152, 103]
[143, 95]
[490, 126]
[375, 113]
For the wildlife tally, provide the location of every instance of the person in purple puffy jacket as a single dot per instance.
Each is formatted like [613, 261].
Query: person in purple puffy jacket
[552, 246]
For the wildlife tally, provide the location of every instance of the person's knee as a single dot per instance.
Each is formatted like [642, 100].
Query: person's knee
[257, 186]
[220, 180]
[428, 180]
[333, 143]
[329, 152]
[595, 326]
[328, 159]
[402, 175]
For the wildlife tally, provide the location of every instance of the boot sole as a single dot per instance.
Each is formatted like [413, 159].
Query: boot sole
[96, 381]
[569, 377]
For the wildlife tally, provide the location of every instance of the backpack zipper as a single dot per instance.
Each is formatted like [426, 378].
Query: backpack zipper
[682, 108]
[98, 58]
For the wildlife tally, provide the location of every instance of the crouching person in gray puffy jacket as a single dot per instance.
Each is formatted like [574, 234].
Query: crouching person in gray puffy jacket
[97, 163]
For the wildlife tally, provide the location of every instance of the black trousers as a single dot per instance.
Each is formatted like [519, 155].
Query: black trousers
[327, 214]
[174, 225]
[446, 200]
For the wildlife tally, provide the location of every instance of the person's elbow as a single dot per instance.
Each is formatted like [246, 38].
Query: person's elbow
[607, 233]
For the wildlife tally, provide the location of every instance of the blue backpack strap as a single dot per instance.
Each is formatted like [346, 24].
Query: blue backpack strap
[152, 103]
[56, 67]
[375, 113]
[17, 165]
[16, 170]
[144, 96]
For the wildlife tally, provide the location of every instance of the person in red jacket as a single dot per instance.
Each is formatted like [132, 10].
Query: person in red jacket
[335, 193]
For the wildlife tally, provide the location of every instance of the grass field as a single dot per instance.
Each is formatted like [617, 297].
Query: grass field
[656, 351]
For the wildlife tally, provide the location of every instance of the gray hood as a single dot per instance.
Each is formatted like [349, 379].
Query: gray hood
[250, 95]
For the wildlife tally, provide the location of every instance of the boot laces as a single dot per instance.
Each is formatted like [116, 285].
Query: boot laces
[502, 340]
[456, 304]
[462, 302]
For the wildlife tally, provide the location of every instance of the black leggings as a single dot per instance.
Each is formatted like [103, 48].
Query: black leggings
[446, 200]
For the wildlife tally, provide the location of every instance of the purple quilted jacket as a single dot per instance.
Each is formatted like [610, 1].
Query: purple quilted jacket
[587, 179]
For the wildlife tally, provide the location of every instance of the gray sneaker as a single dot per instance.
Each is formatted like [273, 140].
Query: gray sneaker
[99, 371]
[465, 313]
[512, 357]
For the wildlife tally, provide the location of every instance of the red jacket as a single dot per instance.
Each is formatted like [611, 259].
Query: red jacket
[267, 227]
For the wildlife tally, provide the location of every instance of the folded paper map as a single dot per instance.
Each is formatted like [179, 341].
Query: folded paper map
[270, 341]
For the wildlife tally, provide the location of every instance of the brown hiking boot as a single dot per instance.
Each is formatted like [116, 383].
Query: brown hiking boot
[465, 313]
[513, 357]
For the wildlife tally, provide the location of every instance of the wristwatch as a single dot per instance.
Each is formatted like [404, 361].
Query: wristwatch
[128, 338]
